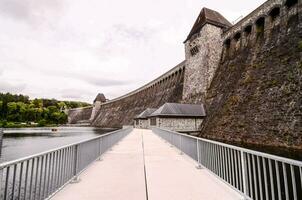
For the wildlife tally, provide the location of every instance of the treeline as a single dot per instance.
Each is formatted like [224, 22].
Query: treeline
[20, 111]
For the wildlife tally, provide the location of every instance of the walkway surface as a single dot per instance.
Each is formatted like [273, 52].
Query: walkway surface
[143, 167]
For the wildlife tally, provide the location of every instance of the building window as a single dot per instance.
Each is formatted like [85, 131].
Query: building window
[194, 50]
[153, 121]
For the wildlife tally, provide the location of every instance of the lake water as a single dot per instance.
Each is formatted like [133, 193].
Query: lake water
[18, 143]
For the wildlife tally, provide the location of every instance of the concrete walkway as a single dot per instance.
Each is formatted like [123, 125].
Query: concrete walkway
[144, 167]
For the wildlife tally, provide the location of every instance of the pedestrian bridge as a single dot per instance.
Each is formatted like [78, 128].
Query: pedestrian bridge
[142, 166]
[151, 164]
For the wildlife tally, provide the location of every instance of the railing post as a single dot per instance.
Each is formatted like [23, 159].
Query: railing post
[100, 150]
[76, 178]
[180, 145]
[198, 155]
[244, 173]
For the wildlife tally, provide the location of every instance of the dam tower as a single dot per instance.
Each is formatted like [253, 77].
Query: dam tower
[203, 48]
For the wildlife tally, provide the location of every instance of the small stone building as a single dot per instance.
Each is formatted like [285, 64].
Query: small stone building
[178, 117]
[142, 121]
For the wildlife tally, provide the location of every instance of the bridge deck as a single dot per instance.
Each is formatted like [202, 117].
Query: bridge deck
[169, 175]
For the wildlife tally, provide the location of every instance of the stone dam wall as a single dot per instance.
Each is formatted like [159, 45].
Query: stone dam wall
[79, 114]
[255, 96]
[121, 111]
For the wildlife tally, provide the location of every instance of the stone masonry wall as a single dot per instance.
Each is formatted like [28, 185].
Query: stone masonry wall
[79, 114]
[179, 124]
[121, 111]
[255, 96]
[200, 68]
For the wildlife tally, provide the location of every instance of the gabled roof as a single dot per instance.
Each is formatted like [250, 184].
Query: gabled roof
[180, 110]
[208, 16]
[100, 97]
[146, 113]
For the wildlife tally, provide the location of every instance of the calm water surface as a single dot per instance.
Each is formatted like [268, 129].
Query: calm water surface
[18, 143]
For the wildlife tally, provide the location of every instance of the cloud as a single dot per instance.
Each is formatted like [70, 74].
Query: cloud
[31, 11]
[72, 93]
[13, 88]
[74, 49]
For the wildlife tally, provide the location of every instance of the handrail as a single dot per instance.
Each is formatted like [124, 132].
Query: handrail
[2, 165]
[41, 175]
[255, 175]
[279, 158]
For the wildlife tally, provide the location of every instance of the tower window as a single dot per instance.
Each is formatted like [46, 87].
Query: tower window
[275, 12]
[248, 30]
[290, 3]
[194, 50]
[237, 36]
[260, 25]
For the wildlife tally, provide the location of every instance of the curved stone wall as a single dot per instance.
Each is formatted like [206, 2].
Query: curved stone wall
[79, 114]
[122, 110]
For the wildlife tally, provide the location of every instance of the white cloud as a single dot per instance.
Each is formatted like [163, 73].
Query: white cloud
[50, 47]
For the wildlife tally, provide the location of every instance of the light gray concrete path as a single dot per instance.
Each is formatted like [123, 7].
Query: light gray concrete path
[169, 175]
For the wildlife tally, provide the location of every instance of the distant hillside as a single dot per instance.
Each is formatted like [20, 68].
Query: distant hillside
[17, 110]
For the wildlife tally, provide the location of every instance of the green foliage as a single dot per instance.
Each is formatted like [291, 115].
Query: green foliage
[42, 123]
[20, 111]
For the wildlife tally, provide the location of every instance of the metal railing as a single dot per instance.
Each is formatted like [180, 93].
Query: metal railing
[256, 175]
[40, 176]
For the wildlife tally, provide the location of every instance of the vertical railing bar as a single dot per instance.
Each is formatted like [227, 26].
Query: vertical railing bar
[60, 167]
[41, 175]
[36, 177]
[271, 178]
[255, 177]
[278, 180]
[229, 166]
[6, 182]
[236, 168]
[14, 181]
[244, 173]
[26, 179]
[65, 165]
[48, 175]
[20, 180]
[232, 166]
[31, 178]
[285, 181]
[265, 178]
[211, 156]
[260, 178]
[219, 160]
[240, 171]
[293, 182]
[224, 163]
[251, 191]
[55, 170]
[198, 152]
[46, 171]
[216, 159]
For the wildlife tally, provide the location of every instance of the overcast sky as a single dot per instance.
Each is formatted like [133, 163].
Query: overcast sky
[73, 49]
